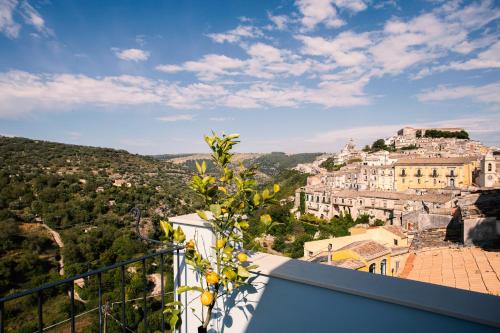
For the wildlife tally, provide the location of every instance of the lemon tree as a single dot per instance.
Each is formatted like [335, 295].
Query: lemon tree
[230, 197]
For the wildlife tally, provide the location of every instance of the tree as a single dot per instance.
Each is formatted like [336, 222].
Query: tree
[231, 197]
[379, 145]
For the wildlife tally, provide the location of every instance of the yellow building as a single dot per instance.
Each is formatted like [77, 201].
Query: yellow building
[433, 173]
[370, 249]
[365, 256]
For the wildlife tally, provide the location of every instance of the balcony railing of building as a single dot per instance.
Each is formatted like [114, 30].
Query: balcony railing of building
[102, 309]
[98, 273]
[451, 174]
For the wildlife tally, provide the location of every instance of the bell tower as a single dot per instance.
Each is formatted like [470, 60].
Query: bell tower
[488, 174]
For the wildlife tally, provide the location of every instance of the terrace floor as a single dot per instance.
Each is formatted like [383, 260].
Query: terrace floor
[468, 268]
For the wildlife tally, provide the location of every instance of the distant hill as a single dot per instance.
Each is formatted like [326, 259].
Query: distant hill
[270, 164]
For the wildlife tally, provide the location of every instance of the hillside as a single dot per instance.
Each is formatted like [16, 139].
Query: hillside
[270, 165]
[75, 188]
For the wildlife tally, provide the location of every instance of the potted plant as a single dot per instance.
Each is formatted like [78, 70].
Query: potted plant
[230, 196]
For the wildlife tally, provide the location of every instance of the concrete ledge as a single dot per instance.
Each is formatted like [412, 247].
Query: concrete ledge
[461, 304]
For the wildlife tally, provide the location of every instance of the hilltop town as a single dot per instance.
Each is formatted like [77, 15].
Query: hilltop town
[430, 197]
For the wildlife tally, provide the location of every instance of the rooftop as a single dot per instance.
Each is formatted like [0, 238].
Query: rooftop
[468, 268]
[434, 161]
[368, 249]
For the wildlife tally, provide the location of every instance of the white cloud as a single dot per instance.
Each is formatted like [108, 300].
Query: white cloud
[177, 117]
[221, 119]
[32, 17]
[315, 12]
[7, 24]
[10, 28]
[318, 11]
[488, 93]
[345, 50]
[487, 59]
[131, 54]
[352, 5]
[280, 21]
[236, 34]
[210, 67]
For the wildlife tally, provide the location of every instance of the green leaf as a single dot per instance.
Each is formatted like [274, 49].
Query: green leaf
[198, 167]
[202, 215]
[203, 166]
[179, 235]
[183, 289]
[167, 228]
[256, 199]
[216, 210]
[249, 268]
[243, 272]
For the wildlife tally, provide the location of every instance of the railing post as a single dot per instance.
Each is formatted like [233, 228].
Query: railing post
[2, 315]
[72, 305]
[145, 303]
[40, 314]
[99, 283]
[162, 293]
[122, 283]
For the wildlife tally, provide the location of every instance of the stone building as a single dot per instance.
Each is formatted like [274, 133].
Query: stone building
[434, 173]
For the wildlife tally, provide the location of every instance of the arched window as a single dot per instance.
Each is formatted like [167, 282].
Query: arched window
[372, 268]
[489, 167]
[383, 267]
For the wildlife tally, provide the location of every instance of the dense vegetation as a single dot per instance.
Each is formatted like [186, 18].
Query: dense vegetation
[272, 164]
[329, 164]
[445, 134]
[74, 190]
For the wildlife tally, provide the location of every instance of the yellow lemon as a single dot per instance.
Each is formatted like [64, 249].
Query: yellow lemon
[190, 245]
[212, 278]
[242, 257]
[206, 298]
[220, 243]
[230, 274]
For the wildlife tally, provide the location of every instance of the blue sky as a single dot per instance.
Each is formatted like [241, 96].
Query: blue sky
[306, 75]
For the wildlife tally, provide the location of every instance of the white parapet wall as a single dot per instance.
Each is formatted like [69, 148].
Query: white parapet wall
[296, 296]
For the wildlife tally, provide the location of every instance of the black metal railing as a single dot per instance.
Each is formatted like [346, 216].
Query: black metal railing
[102, 308]
[70, 282]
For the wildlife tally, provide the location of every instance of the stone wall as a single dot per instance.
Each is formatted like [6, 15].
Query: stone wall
[480, 230]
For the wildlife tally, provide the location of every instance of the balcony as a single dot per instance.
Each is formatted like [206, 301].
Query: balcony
[297, 296]
[451, 175]
[434, 175]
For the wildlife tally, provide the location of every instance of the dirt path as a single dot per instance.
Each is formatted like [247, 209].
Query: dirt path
[59, 242]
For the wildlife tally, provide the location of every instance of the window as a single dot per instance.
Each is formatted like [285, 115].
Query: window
[403, 172]
[419, 173]
[418, 180]
[452, 173]
[434, 173]
[403, 180]
[397, 266]
[489, 167]
[395, 242]
[371, 269]
[435, 181]
[383, 267]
